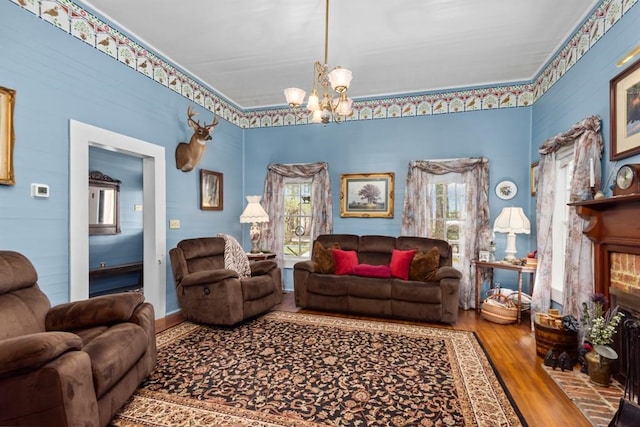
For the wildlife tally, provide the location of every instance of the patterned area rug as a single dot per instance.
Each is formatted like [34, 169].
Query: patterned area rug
[291, 369]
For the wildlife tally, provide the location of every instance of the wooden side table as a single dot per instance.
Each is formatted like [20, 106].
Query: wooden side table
[504, 266]
[260, 256]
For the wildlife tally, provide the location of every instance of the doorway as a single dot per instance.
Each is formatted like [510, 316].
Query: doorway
[82, 136]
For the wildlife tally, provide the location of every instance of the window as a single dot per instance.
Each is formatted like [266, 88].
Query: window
[297, 219]
[559, 227]
[448, 213]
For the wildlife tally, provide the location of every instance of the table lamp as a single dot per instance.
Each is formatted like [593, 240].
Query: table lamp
[511, 221]
[254, 214]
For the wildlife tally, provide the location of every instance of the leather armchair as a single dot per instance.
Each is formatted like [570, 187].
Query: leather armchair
[208, 293]
[73, 364]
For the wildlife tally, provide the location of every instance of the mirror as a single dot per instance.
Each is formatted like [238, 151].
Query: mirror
[104, 210]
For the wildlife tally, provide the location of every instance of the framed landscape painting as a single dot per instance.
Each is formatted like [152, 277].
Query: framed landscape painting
[368, 195]
[211, 190]
[624, 109]
[7, 101]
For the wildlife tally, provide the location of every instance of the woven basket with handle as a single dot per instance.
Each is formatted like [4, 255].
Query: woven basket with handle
[498, 308]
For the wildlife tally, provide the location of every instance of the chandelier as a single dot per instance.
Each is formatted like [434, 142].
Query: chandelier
[327, 108]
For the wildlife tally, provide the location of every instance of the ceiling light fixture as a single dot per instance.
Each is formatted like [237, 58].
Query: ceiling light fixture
[327, 108]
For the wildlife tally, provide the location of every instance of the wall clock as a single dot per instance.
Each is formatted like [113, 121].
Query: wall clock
[627, 180]
[506, 190]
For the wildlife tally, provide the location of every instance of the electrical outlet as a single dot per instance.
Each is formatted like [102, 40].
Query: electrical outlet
[174, 223]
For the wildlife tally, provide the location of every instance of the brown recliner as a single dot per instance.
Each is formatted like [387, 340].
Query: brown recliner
[208, 293]
[75, 364]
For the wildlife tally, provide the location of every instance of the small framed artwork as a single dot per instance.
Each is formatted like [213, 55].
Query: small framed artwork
[483, 256]
[211, 190]
[7, 136]
[506, 190]
[624, 109]
[368, 195]
[533, 176]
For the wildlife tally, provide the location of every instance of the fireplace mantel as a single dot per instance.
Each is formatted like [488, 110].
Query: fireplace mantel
[614, 226]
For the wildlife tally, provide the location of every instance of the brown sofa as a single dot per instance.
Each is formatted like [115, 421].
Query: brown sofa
[208, 293]
[75, 364]
[433, 301]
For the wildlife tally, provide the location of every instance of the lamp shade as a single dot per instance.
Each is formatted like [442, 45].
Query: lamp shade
[254, 212]
[512, 220]
[340, 79]
[294, 96]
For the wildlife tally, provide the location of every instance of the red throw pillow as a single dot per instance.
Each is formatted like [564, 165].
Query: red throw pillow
[400, 263]
[368, 270]
[345, 261]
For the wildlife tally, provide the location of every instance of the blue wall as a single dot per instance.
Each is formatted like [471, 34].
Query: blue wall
[584, 90]
[389, 145]
[58, 78]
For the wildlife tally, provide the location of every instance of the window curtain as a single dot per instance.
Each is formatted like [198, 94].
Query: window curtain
[416, 220]
[273, 202]
[587, 144]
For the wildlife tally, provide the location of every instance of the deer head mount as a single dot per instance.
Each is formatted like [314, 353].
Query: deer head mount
[188, 155]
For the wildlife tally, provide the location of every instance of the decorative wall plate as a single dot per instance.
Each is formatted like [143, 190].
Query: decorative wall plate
[506, 190]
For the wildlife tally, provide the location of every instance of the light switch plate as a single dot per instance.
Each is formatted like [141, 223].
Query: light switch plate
[174, 223]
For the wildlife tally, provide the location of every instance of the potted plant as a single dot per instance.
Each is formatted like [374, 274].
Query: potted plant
[599, 328]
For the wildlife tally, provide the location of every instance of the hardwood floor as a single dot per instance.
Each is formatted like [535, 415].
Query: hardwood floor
[512, 348]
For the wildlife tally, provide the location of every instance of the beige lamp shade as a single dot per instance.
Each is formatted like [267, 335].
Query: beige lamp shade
[511, 221]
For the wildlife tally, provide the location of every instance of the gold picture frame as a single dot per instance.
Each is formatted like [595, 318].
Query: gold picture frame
[211, 190]
[533, 177]
[624, 110]
[366, 195]
[7, 135]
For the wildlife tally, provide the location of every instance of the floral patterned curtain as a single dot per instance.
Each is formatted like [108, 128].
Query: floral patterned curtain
[578, 283]
[476, 232]
[273, 202]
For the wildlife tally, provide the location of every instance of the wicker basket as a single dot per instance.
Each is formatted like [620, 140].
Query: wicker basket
[498, 308]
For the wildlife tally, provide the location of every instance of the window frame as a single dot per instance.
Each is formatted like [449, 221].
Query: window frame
[564, 169]
[290, 260]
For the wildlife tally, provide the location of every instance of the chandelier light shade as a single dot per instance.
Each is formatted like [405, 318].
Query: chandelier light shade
[512, 221]
[324, 109]
[254, 214]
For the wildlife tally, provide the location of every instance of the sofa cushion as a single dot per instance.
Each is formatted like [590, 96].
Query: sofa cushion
[257, 287]
[417, 292]
[400, 263]
[114, 353]
[424, 265]
[332, 285]
[345, 261]
[368, 270]
[323, 261]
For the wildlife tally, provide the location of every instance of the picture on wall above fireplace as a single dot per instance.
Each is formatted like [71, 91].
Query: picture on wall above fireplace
[368, 195]
[624, 94]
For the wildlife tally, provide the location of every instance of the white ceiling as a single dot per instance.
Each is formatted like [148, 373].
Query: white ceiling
[250, 50]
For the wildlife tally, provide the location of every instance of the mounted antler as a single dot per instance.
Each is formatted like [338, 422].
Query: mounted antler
[188, 155]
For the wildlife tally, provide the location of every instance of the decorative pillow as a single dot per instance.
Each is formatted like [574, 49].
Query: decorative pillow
[368, 270]
[425, 265]
[400, 263]
[345, 261]
[323, 258]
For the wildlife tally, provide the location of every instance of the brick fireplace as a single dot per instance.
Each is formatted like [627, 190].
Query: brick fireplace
[614, 228]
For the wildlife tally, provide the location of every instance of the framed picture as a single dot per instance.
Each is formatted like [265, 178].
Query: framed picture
[7, 136]
[483, 256]
[211, 190]
[534, 176]
[624, 108]
[368, 195]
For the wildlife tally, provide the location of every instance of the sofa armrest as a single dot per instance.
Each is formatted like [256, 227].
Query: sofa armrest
[448, 273]
[178, 264]
[305, 265]
[29, 352]
[260, 268]
[98, 311]
[207, 277]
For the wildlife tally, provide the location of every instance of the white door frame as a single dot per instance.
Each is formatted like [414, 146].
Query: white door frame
[82, 136]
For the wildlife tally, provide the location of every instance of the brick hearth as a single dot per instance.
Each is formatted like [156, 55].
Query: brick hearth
[597, 403]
